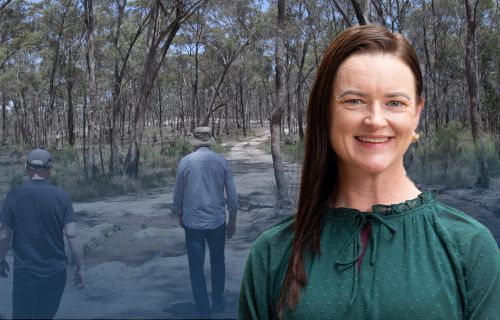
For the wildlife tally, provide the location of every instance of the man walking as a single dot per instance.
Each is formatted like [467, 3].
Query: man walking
[202, 177]
[35, 216]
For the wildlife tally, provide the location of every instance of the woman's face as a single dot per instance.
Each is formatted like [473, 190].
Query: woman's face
[373, 113]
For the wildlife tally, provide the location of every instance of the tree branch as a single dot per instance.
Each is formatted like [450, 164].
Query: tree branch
[344, 16]
[4, 5]
[358, 11]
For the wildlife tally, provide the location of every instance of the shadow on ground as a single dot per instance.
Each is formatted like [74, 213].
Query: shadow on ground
[187, 310]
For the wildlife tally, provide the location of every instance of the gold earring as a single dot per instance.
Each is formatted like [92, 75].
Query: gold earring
[414, 137]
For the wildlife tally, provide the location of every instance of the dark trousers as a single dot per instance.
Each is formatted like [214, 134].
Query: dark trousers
[195, 243]
[37, 298]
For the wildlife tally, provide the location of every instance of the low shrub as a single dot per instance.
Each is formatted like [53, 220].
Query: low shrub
[157, 169]
[16, 180]
[448, 158]
[293, 152]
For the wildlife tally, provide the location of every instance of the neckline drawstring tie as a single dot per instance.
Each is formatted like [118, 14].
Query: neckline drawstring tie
[362, 219]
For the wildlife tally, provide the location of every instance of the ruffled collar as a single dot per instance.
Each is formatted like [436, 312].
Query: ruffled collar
[387, 210]
[350, 251]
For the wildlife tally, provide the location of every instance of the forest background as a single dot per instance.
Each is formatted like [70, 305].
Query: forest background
[113, 88]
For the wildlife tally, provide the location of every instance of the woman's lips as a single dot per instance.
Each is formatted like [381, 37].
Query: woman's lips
[376, 140]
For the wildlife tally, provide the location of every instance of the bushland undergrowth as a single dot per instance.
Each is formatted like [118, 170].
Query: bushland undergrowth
[447, 159]
[157, 170]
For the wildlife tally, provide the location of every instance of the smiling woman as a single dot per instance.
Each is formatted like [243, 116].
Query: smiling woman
[373, 116]
[365, 242]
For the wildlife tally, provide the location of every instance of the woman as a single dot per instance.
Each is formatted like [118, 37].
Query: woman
[365, 242]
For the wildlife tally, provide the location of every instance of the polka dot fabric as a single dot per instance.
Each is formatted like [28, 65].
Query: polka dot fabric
[423, 260]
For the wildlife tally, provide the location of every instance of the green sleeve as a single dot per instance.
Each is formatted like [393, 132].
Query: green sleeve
[255, 288]
[482, 277]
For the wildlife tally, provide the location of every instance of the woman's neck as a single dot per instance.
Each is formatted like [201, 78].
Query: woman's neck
[360, 190]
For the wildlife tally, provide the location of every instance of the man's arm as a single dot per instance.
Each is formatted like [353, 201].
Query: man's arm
[179, 214]
[179, 194]
[76, 251]
[5, 238]
[232, 202]
[232, 197]
[231, 225]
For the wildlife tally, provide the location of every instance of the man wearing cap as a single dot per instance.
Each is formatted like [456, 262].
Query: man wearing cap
[202, 178]
[35, 216]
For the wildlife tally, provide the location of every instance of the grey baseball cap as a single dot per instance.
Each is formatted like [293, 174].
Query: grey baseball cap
[39, 158]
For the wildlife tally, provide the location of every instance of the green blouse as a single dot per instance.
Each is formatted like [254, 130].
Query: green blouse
[423, 260]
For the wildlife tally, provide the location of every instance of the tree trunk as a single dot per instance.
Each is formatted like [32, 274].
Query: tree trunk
[472, 74]
[116, 100]
[359, 12]
[71, 114]
[84, 126]
[279, 172]
[288, 74]
[4, 118]
[91, 167]
[219, 121]
[300, 80]
[195, 106]
[242, 105]
[55, 65]
[260, 102]
[160, 115]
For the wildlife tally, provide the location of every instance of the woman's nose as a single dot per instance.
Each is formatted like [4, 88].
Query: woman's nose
[375, 116]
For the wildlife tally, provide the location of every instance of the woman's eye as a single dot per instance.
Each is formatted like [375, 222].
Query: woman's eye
[395, 104]
[353, 101]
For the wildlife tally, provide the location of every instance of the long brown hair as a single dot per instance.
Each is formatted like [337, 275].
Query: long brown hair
[319, 170]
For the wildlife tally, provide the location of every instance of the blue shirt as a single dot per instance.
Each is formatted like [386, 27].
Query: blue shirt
[37, 212]
[201, 179]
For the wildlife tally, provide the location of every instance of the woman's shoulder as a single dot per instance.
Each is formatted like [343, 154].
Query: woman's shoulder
[457, 219]
[275, 242]
[463, 230]
[278, 233]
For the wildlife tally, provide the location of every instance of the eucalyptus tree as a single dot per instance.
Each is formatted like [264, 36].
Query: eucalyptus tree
[472, 76]
[165, 20]
[14, 28]
[60, 51]
[128, 27]
[441, 60]
[489, 66]
[14, 36]
[308, 23]
[91, 103]
[230, 34]
[276, 118]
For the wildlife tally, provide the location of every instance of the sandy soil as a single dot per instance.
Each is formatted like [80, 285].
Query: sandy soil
[135, 254]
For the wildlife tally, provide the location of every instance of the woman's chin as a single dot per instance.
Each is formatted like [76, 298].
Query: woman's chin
[374, 168]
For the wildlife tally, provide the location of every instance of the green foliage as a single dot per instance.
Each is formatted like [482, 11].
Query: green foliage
[176, 149]
[158, 167]
[492, 156]
[294, 152]
[15, 181]
[12, 152]
[219, 148]
[448, 159]
[64, 156]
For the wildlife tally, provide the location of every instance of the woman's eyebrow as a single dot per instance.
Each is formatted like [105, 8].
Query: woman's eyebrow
[397, 94]
[354, 92]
